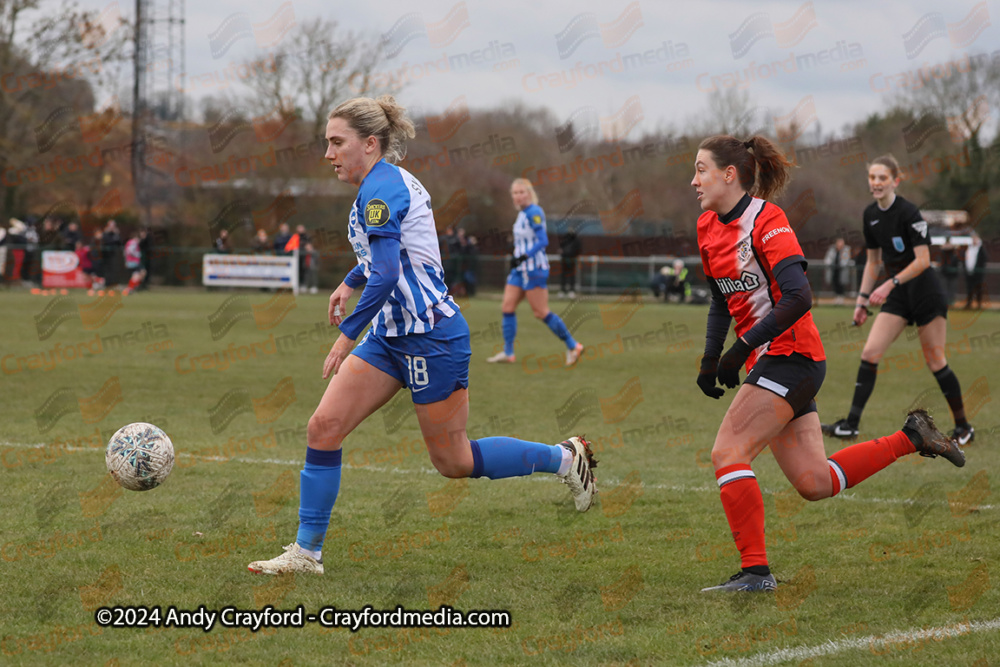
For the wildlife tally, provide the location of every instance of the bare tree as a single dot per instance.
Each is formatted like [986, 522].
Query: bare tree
[316, 67]
[53, 57]
[960, 97]
[731, 111]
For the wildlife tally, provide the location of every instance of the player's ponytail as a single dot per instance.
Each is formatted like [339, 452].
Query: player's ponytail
[773, 168]
[762, 168]
[383, 119]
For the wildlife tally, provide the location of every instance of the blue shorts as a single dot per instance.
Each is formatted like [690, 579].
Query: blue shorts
[432, 365]
[528, 279]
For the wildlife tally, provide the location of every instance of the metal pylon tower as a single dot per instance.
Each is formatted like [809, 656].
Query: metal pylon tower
[159, 81]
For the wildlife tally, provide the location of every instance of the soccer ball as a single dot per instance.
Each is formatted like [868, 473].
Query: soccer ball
[139, 456]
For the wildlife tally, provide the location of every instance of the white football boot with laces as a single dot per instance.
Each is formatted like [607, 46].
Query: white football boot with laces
[580, 477]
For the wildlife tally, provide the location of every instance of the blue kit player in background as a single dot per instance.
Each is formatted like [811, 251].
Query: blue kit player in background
[529, 273]
[418, 338]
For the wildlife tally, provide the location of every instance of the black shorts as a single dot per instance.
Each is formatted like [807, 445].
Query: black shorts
[796, 378]
[918, 301]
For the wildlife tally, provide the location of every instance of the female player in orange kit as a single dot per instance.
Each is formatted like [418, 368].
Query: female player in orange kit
[756, 271]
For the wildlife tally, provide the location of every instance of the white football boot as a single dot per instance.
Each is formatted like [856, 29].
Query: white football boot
[293, 560]
[572, 356]
[580, 477]
[501, 357]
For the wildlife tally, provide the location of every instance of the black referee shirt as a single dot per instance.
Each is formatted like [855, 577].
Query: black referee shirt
[896, 230]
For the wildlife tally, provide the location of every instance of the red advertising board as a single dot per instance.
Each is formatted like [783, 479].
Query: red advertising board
[61, 268]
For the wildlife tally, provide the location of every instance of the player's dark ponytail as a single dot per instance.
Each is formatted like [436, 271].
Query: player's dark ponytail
[763, 169]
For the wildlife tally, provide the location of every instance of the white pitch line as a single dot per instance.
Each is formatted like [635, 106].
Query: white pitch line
[903, 640]
[431, 471]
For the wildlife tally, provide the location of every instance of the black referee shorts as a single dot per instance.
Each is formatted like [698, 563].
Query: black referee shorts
[796, 378]
[918, 301]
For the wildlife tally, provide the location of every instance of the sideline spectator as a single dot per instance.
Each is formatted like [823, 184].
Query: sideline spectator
[460, 243]
[146, 248]
[298, 242]
[71, 235]
[97, 260]
[450, 255]
[260, 244]
[310, 262]
[661, 281]
[281, 239]
[975, 271]
[672, 281]
[86, 264]
[950, 264]
[16, 242]
[470, 265]
[569, 248]
[111, 243]
[680, 288]
[50, 238]
[222, 245]
[31, 271]
[303, 235]
[838, 268]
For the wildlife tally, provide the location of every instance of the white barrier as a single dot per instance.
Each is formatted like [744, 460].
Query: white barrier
[275, 272]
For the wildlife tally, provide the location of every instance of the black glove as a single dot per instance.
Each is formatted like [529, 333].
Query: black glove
[517, 261]
[706, 378]
[731, 362]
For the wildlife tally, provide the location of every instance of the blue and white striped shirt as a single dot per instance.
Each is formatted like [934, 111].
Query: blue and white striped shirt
[392, 203]
[529, 233]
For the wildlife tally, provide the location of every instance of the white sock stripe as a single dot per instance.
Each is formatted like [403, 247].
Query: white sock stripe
[839, 472]
[735, 475]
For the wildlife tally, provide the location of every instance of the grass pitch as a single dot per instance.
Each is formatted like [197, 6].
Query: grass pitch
[900, 570]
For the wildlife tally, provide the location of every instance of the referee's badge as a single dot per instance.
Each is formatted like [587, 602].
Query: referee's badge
[897, 243]
[743, 250]
[376, 213]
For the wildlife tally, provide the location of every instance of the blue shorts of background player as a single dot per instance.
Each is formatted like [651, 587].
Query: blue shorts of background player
[526, 280]
[432, 365]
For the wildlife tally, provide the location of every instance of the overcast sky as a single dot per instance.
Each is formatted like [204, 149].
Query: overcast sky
[828, 63]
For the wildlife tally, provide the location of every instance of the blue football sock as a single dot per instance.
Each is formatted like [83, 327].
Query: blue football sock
[509, 332]
[500, 457]
[559, 329]
[319, 484]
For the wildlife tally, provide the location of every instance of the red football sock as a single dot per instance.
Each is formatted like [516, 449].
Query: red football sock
[744, 506]
[853, 465]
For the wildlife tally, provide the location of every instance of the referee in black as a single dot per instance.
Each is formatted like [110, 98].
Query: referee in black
[896, 234]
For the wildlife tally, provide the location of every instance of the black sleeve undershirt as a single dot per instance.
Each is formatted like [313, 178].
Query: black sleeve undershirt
[796, 300]
[719, 320]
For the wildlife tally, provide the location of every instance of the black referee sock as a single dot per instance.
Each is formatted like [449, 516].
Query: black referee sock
[952, 391]
[862, 391]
